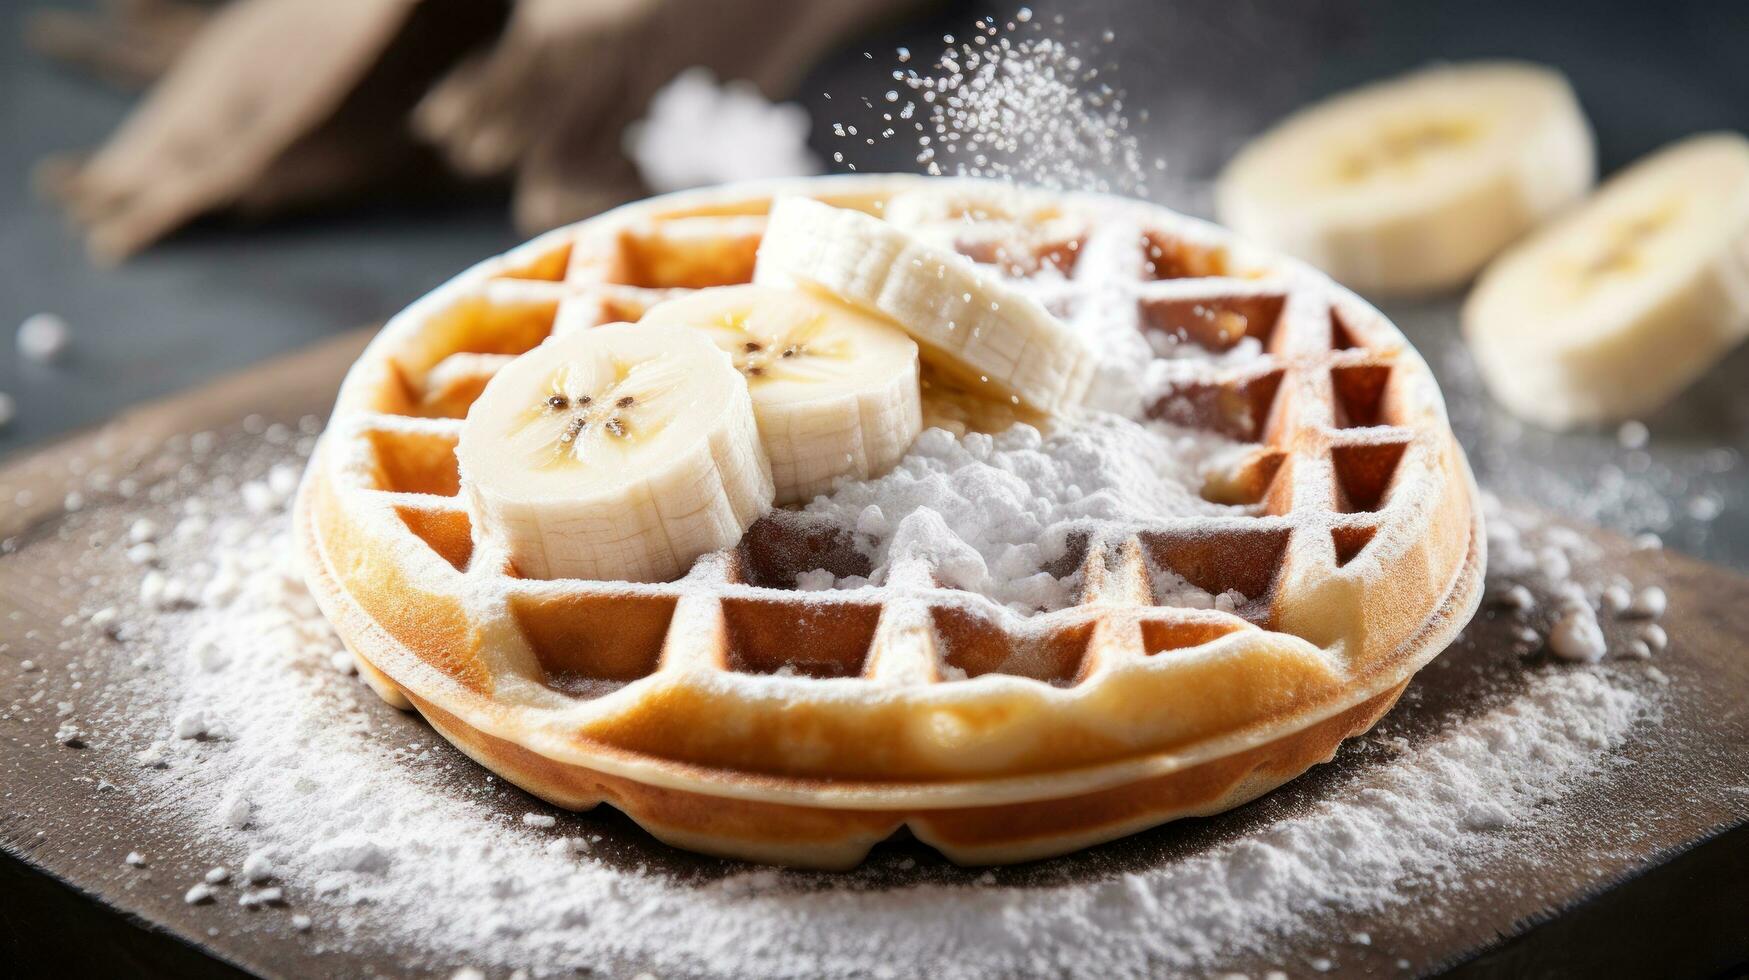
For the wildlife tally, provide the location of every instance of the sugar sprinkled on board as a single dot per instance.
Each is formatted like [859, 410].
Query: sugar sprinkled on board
[43, 338]
[396, 838]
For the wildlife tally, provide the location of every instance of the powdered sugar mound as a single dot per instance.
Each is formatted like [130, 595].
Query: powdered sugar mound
[995, 515]
[698, 132]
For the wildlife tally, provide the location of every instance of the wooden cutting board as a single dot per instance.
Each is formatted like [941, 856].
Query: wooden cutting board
[1653, 902]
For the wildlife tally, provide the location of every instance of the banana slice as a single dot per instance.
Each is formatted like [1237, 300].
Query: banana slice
[968, 322]
[834, 389]
[1614, 309]
[623, 452]
[1412, 184]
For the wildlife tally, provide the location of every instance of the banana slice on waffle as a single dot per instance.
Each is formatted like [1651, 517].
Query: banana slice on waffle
[968, 321]
[834, 389]
[1616, 308]
[1201, 655]
[1411, 184]
[623, 453]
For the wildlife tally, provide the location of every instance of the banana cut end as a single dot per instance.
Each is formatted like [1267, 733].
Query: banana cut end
[1611, 311]
[1410, 185]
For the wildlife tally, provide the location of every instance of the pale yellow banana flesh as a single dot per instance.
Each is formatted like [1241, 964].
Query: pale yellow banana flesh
[1615, 308]
[967, 321]
[835, 389]
[622, 453]
[1413, 184]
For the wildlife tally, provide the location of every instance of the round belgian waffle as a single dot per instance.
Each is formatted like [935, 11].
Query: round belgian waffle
[730, 713]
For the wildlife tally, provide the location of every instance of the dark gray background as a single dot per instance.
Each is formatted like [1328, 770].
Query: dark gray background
[1210, 73]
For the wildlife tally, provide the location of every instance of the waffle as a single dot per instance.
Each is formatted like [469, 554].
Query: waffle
[732, 714]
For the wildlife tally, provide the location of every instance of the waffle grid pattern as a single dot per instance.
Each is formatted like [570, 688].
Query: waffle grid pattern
[1342, 497]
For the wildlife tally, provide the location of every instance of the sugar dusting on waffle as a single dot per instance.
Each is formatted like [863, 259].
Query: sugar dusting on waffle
[233, 716]
[991, 514]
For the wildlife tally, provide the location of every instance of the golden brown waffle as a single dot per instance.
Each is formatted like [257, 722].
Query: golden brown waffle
[730, 713]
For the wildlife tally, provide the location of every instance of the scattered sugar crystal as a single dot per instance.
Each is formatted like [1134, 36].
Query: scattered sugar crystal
[1633, 434]
[343, 661]
[541, 820]
[104, 618]
[699, 132]
[209, 653]
[152, 756]
[143, 553]
[257, 867]
[43, 337]
[1649, 603]
[264, 896]
[70, 735]
[199, 723]
[1616, 598]
[218, 875]
[814, 581]
[1638, 650]
[258, 497]
[363, 856]
[1577, 637]
[200, 894]
[236, 812]
[27, 665]
[1654, 637]
[301, 922]
[282, 480]
[1518, 598]
[1647, 541]
[142, 530]
[136, 859]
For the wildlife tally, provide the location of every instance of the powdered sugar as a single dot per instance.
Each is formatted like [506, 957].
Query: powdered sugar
[363, 828]
[698, 132]
[993, 514]
[1010, 100]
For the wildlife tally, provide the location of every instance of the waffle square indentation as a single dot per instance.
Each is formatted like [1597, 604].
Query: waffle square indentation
[582, 640]
[976, 645]
[415, 462]
[1220, 559]
[445, 531]
[815, 639]
[1169, 257]
[783, 544]
[1216, 323]
[1159, 636]
[1238, 408]
[1360, 394]
[1364, 472]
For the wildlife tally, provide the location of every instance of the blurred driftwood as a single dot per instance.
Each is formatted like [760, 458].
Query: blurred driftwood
[125, 42]
[272, 104]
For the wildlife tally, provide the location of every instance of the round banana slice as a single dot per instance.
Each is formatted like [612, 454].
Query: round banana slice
[623, 453]
[834, 389]
[1613, 310]
[968, 322]
[1412, 184]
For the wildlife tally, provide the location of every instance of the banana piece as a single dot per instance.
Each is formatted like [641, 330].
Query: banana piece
[619, 453]
[968, 322]
[1613, 310]
[1412, 184]
[834, 389]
